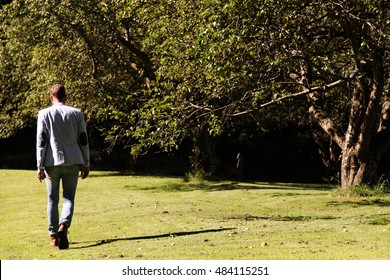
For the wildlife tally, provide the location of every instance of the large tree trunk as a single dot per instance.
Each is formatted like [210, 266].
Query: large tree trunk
[365, 137]
[358, 170]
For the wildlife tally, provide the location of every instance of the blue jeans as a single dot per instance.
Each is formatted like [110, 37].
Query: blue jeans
[69, 176]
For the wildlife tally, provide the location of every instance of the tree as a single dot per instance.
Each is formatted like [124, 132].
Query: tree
[209, 68]
[86, 45]
[219, 61]
[339, 49]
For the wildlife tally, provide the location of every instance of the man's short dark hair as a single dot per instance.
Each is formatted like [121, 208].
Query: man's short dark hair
[58, 91]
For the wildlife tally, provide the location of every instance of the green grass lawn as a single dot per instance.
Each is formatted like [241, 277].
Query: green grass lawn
[146, 218]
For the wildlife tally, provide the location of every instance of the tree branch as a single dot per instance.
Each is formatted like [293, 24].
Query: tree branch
[327, 125]
[293, 95]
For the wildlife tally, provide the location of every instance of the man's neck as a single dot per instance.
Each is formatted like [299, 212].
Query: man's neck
[56, 101]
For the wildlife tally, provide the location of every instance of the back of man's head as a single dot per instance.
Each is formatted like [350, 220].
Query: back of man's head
[58, 91]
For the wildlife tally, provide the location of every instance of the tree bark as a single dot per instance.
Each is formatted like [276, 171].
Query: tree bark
[358, 170]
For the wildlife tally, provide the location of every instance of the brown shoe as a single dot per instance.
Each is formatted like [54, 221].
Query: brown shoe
[62, 234]
[53, 240]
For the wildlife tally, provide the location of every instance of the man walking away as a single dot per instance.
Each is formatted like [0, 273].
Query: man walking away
[62, 151]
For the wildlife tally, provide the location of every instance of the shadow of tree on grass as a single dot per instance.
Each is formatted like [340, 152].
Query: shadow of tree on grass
[361, 202]
[226, 186]
[164, 235]
[279, 218]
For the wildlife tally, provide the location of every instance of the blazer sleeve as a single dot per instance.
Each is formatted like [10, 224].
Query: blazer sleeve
[83, 141]
[42, 141]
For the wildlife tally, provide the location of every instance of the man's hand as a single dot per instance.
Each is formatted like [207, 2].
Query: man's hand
[41, 174]
[84, 172]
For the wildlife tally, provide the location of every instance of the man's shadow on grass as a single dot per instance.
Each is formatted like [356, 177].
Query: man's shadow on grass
[165, 235]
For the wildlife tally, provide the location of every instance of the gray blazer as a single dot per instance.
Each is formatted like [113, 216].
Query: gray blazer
[61, 137]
